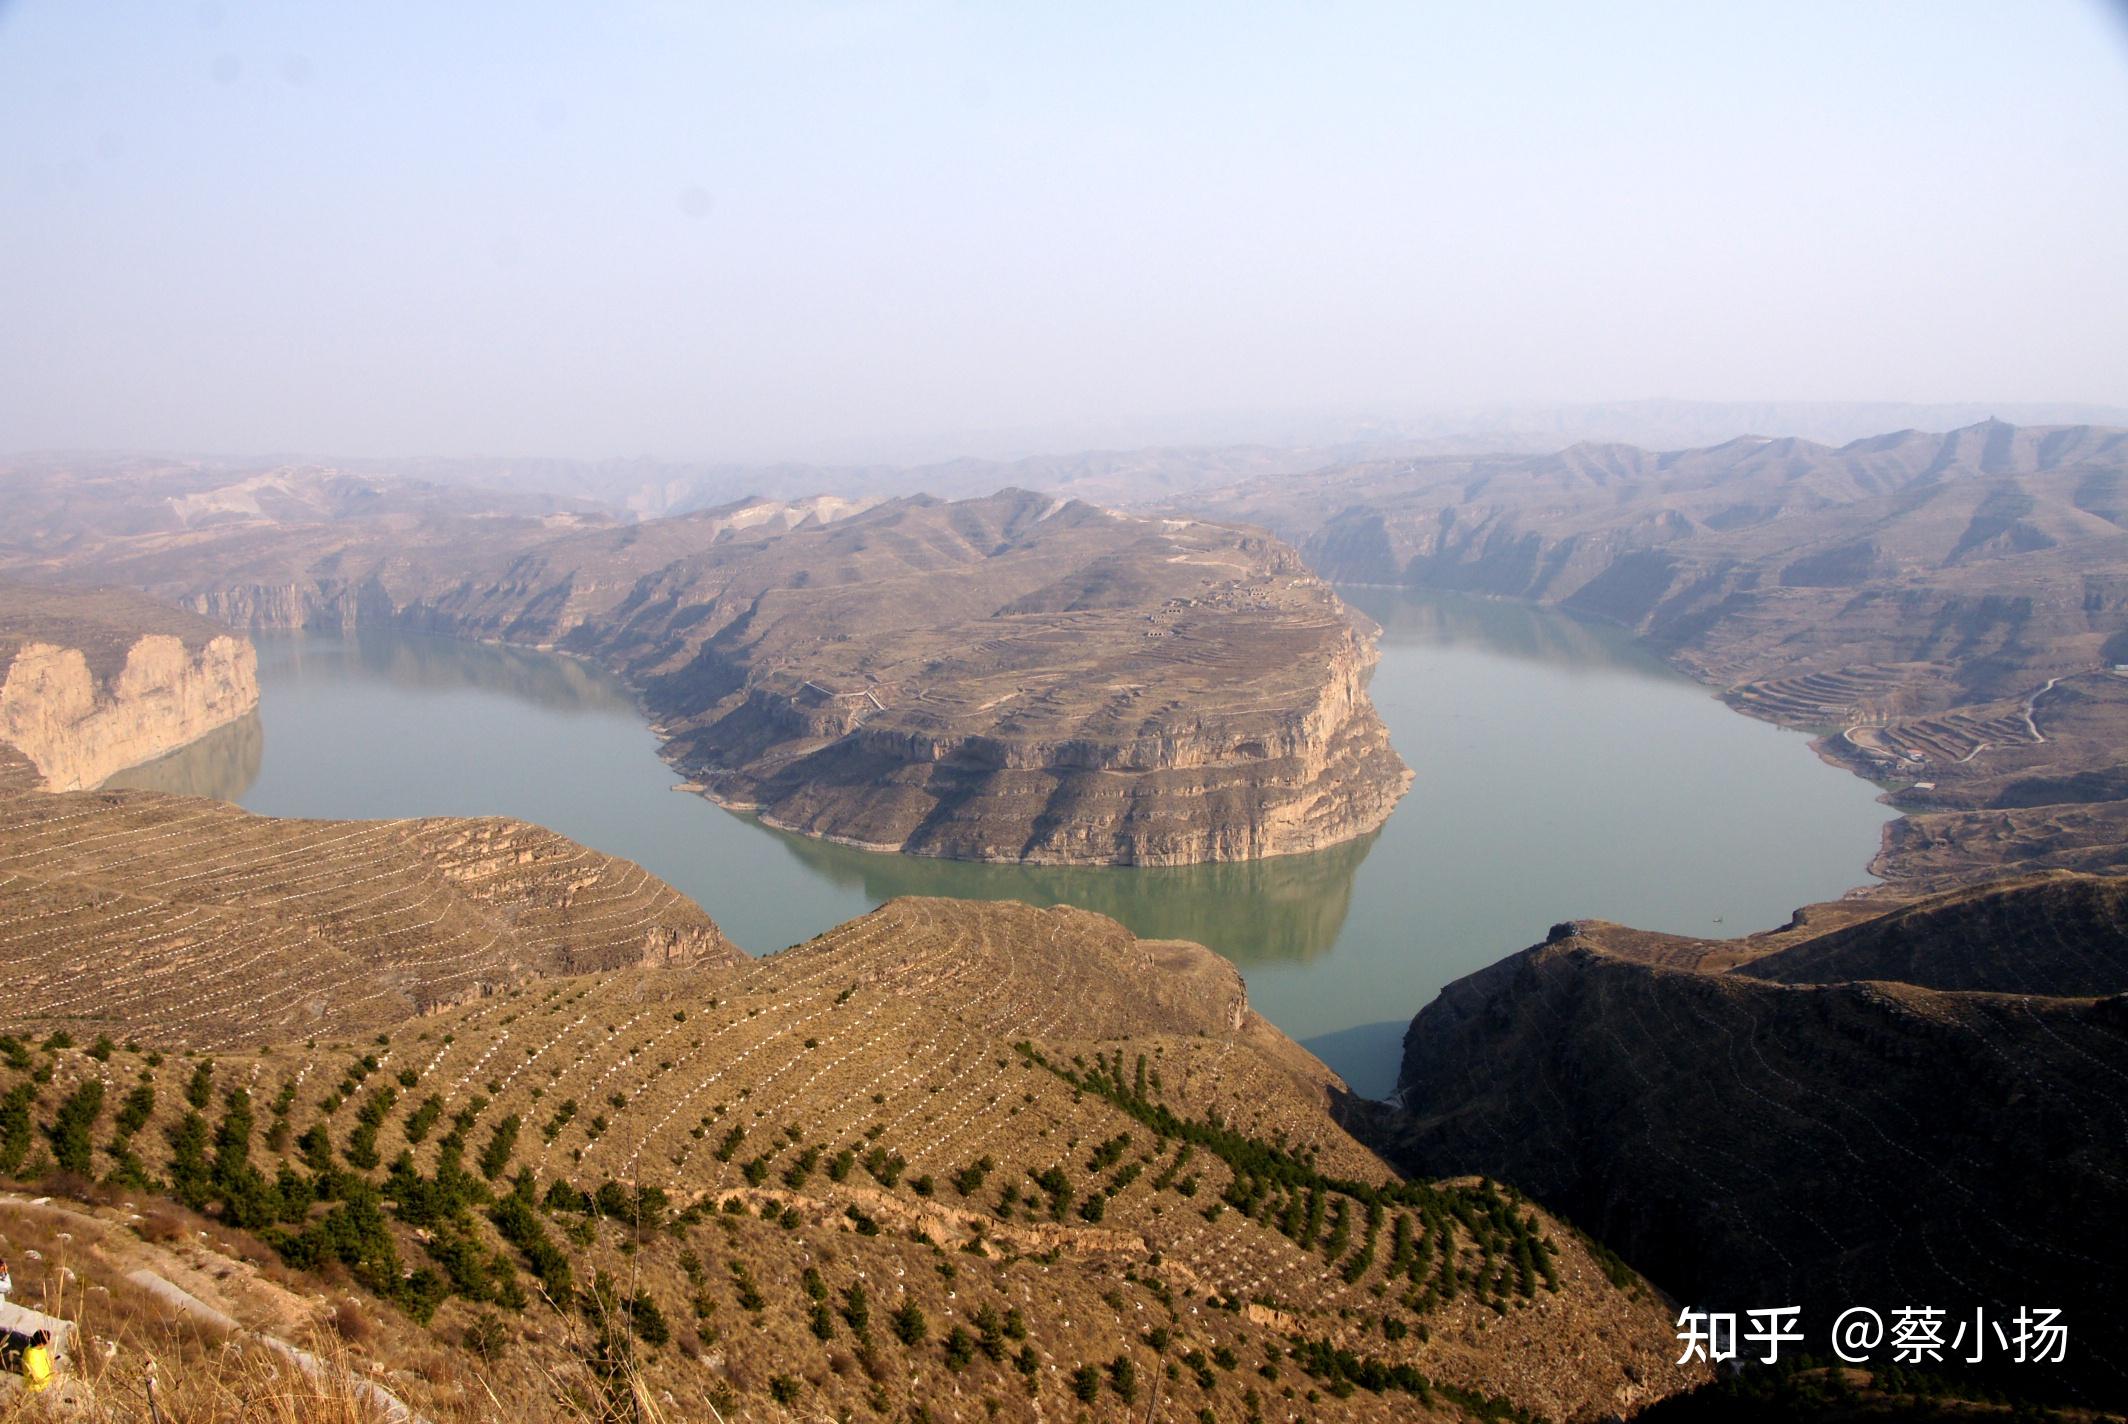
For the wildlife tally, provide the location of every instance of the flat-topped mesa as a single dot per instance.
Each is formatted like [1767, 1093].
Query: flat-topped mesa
[1015, 678]
[1083, 689]
[1186, 787]
[94, 682]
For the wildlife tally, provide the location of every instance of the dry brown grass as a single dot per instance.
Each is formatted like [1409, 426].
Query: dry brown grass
[135, 1361]
[134, 1357]
[892, 1035]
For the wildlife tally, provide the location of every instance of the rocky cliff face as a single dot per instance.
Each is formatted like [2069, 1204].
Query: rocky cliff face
[1201, 788]
[1782, 1118]
[320, 605]
[1017, 678]
[80, 709]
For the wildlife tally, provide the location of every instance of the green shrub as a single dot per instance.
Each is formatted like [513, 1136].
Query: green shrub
[70, 1127]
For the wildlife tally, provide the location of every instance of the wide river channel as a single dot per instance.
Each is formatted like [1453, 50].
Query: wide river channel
[1563, 773]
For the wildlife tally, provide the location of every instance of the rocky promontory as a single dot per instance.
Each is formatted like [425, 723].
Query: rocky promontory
[1869, 1106]
[1014, 678]
[95, 682]
[1008, 679]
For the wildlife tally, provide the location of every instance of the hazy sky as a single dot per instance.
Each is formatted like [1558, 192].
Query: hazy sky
[786, 230]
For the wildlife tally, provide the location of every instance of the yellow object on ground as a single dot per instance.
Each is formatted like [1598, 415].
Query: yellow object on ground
[36, 1368]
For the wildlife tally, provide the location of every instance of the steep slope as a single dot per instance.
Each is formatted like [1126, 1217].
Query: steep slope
[1778, 1119]
[1011, 678]
[1931, 602]
[897, 1166]
[2055, 936]
[95, 681]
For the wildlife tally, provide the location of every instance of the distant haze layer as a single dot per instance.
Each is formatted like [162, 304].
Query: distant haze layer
[903, 232]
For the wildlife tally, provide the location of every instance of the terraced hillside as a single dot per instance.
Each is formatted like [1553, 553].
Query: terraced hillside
[1006, 679]
[1916, 1106]
[1013, 678]
[204, 926]
[896, 1169]
[1911, 596]
[2045, 787]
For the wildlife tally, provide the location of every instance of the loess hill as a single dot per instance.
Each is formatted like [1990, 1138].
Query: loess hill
[900, 1167]
[1914, 1106]
[505, 1127]
[1933, 603]
[1012, 678]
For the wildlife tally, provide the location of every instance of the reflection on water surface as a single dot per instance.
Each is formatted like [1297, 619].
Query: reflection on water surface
[1562, 772]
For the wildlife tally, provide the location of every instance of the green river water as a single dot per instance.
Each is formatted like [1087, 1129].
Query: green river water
[1562, 772]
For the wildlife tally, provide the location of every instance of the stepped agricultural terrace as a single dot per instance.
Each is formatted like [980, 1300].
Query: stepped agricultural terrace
[1014, 678]
[205, 926]
[524, 1099]
[1027, 1193]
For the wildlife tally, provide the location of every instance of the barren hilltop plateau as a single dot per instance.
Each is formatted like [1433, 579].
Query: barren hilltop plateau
[489, 1122]
[1928, 602]
[1015, 678]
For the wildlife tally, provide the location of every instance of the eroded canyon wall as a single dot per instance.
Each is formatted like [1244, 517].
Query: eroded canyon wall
[93, 686]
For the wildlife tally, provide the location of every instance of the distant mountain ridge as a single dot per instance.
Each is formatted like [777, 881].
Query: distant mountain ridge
[1136, 462]
[1912, 590]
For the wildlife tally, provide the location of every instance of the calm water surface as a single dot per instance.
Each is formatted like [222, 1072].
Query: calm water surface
[1563, 773]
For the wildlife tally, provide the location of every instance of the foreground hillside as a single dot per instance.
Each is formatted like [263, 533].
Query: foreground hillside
[1014, 678]
[125, 910]
[1936, 604]
[900, 1171]
[1920, 1106]
[455, 1119]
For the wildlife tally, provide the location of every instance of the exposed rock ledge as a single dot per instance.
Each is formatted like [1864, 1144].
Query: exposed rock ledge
[1009, 679]
[1283, 783]
[86, 697]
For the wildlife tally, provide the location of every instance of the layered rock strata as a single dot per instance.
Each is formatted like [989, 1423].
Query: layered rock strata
[113, 683]
[1867, 1107]
[1014, 678]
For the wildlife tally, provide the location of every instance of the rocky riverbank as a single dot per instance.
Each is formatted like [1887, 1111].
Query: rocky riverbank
[1017, 678]
[94, 683]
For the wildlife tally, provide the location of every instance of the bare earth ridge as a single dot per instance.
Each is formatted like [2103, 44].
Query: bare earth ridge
[1928, 603]
[1920, 1105]
[1012, 678]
